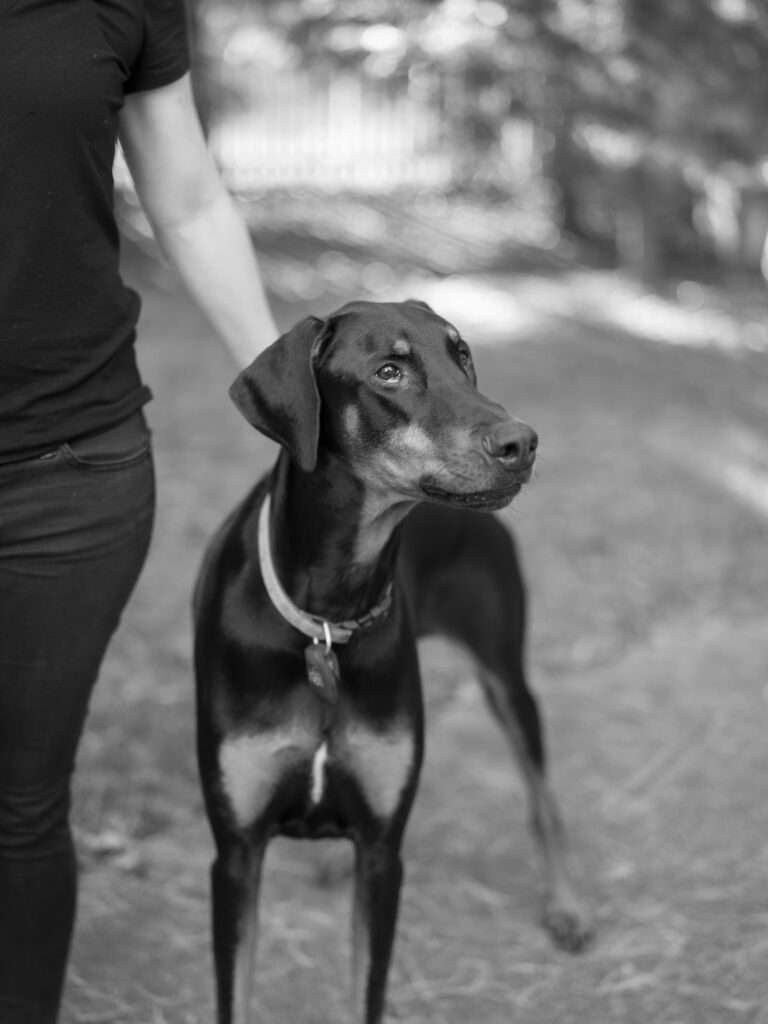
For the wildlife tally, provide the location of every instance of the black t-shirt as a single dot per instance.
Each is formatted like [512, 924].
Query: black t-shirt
[67, 322]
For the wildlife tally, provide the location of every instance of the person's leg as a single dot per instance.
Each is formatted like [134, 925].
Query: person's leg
[74, 531]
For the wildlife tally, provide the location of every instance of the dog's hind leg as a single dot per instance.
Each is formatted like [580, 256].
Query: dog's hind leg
[378, 879]
[565, 916]
[235, 885]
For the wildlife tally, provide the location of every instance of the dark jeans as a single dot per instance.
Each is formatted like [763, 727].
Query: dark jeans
[75, 525]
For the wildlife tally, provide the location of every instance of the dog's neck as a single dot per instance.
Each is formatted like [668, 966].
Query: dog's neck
[334, 544]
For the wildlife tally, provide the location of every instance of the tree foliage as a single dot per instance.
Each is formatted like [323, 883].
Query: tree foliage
[683, 77]
[646, 92]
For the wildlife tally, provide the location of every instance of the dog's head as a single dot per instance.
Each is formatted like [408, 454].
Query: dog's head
[390, 389]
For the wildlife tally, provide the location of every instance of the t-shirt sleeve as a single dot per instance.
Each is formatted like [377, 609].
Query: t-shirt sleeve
[164, 54]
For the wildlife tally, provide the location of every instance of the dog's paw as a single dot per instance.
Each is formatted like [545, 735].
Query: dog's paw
[570, 924]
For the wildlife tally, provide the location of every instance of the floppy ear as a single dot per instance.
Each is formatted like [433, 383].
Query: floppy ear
[278, 393]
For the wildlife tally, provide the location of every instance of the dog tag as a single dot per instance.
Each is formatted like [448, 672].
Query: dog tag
[323, 671]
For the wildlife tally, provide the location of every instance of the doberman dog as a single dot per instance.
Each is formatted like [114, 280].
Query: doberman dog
[309, 603]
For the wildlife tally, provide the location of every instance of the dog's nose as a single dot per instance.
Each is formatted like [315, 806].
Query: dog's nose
[513, 443]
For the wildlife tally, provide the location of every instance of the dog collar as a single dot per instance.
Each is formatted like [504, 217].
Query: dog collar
[313, 626]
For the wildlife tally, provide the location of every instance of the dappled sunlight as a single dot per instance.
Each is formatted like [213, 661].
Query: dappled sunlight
[491, 308]
[694, 317]
[503, 307]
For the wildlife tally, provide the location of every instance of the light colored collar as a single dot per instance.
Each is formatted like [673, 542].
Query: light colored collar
[314, 626]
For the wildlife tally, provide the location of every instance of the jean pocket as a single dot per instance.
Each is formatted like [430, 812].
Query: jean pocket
[117, 447]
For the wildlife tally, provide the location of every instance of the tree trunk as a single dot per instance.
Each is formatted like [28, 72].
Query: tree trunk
[640, 222]
[563, 171]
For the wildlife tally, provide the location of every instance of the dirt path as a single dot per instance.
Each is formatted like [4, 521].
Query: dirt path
[668, 832]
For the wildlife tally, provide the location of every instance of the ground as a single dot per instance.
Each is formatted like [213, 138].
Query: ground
[644, 543]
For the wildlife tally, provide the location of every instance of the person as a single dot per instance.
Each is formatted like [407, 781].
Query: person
[76, 477]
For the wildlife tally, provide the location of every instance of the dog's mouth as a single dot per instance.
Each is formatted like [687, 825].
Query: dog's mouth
[488, 500]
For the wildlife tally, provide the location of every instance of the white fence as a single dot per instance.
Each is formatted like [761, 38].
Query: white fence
[330, 131]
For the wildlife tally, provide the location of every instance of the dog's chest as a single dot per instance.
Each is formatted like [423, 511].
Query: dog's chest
[256, 766]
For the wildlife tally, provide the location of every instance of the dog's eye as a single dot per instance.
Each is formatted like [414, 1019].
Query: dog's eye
[389, 373]
[465, 358]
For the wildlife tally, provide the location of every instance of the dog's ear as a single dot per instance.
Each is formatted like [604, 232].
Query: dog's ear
[278, 393]
[420, 304]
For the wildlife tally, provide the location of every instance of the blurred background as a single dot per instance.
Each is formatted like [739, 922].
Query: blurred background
[634, 128]
[582, 188]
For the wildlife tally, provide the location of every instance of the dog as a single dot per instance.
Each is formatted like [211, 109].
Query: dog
[363, 537]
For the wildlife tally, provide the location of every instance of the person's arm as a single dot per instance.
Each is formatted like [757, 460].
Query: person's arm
[193, 217]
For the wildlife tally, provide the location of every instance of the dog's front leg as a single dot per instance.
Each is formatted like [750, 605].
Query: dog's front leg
[378, 879]
[235, 885]
[566, 915]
